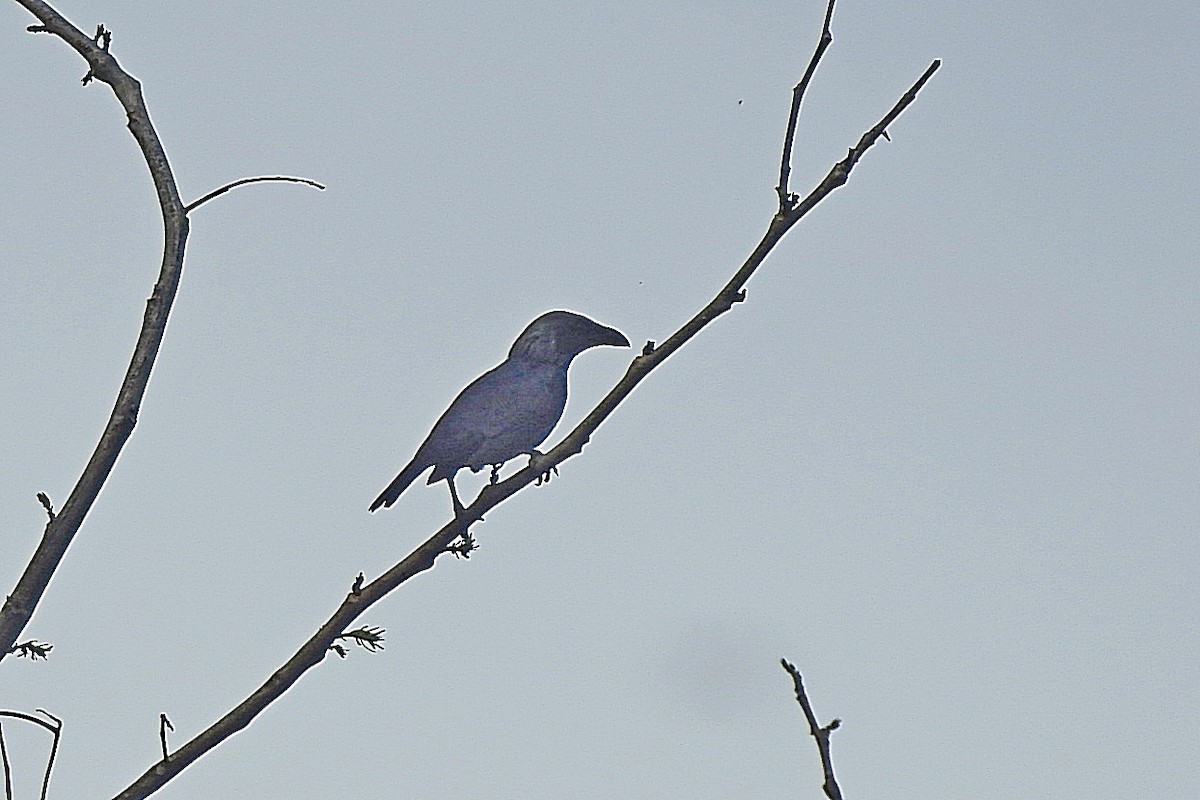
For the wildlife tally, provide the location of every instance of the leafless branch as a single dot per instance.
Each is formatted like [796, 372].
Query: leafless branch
[103, 66]
[260, 179]
[62, 528]
[8, 795]
[362, 597]
[789, 138]
[819, 732]
[55, 728]
[164, 725]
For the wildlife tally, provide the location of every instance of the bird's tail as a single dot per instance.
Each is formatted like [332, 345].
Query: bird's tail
[397, 486]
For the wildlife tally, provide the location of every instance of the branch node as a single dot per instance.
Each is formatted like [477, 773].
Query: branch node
[356, 587]
[648, 348]
[103, 37]
[463, 546]
[821, 734]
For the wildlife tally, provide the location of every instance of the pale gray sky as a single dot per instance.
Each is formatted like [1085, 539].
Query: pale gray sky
[945, 458]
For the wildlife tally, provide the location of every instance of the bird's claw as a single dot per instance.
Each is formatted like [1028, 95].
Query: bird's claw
[535, 459]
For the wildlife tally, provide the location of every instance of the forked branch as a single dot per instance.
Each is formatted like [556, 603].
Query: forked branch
[103, 66]
[361, 597]
[818, 731]
[192, 206]
[789, 138]
[63, 525]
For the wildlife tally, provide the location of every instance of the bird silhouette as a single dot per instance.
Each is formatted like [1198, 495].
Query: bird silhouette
[508, 410]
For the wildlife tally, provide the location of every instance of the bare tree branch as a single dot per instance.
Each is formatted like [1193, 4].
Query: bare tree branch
[8, 795]
[55, 729]
[59, 532]
[785, 167]
[164, 725]
[19, 605]
[819, 732]
[218, 192]
[361, 597]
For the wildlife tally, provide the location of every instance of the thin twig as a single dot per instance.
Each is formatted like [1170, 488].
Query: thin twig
[7, 767]
[840, 171]
[785, 167]
[57, 729]
[163, 725]
[218, 192]
[819, 732]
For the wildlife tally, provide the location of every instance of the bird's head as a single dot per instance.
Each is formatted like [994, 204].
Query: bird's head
[559, 336]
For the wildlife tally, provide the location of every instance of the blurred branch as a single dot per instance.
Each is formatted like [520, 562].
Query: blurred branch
[361, 597]
[819, 732]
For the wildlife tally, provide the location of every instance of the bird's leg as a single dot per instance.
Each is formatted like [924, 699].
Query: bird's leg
[495, 474]
[544, 475]
[458, 506]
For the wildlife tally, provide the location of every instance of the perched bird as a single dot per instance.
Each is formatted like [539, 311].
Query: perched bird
[509, 410]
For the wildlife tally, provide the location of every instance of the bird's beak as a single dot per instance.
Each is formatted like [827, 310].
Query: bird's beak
[611, 336]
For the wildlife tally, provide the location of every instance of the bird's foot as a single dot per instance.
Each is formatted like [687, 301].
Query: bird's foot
[535, 460]
[495, 478]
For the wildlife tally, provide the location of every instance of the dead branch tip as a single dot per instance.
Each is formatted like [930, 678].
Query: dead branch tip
[259, 179]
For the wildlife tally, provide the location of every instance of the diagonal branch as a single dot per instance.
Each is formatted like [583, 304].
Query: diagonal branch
[818, 731]
[20, 605]
[421, 559]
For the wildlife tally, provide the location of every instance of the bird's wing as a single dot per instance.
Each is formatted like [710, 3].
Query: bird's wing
[506, 411]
